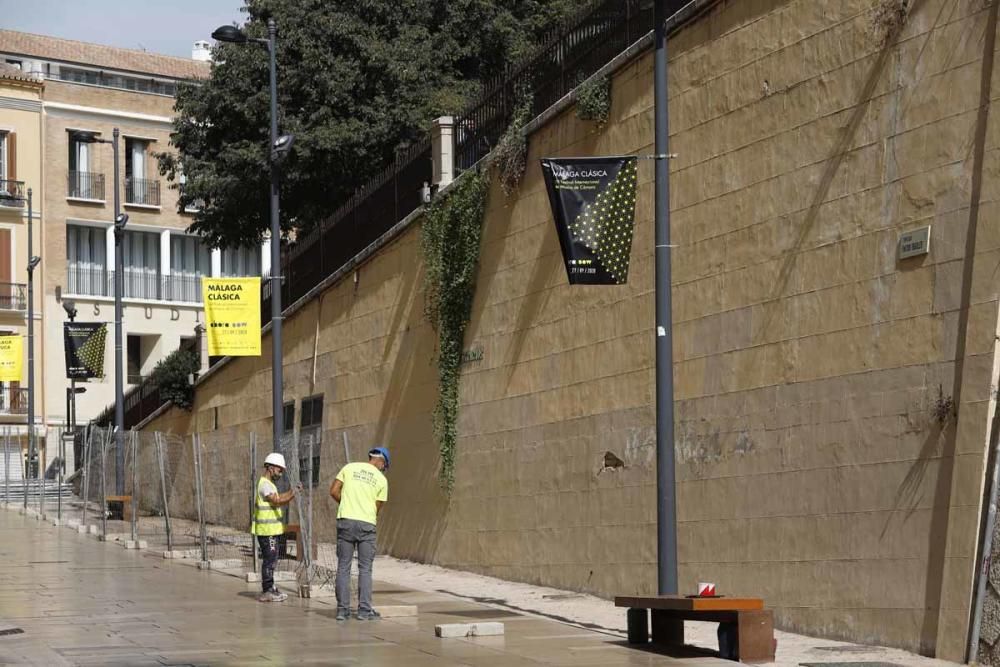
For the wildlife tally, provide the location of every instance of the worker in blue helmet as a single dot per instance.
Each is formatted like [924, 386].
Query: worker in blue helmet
[360, 490]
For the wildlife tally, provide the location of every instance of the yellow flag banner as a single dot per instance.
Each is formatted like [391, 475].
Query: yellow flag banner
[11, 358]
[232, 316]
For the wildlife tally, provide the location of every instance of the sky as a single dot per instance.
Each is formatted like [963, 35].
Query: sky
[169, 27]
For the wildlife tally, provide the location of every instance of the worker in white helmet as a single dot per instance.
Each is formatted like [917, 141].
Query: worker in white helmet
[268, 524]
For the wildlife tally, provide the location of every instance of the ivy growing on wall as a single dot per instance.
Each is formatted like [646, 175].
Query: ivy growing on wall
[450, 238]
[593, 99]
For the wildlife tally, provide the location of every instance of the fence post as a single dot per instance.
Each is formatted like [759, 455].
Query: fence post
[6, 466]
[157, 439]
[41, 474]
[62, 466]
[199, 495]
[135, 485]
[253, 495]
[104, 484]
[86, 472]
[307, 542]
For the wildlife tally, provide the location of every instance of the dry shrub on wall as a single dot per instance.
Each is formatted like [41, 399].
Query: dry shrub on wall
[593, 100]
[511, 154]
[888, 18]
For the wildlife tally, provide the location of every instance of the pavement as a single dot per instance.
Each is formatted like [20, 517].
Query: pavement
[69, 599]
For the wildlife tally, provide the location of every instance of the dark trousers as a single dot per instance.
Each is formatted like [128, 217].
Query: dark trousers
[268, 560]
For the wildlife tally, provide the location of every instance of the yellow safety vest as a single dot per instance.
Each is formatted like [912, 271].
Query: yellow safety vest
[266, 517]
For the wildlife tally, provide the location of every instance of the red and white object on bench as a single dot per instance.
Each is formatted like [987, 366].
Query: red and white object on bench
[706, 590]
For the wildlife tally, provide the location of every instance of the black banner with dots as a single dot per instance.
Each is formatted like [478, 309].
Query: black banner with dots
[593, 204]
[84, 343]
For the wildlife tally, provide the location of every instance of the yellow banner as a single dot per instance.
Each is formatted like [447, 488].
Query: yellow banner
[11, 358]
[232, 316]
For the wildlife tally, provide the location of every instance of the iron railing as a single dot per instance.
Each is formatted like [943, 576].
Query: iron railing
[567, 56]
[137, 284]
[85, 185]
[13, 296]
[13, 400]
[142, 191]
[12, 193]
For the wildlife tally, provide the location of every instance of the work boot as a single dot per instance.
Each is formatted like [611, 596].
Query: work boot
[369, 616]
[279, 596]
[267, 596]
[343, 614]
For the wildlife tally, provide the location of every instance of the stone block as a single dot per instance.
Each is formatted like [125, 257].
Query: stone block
[253, 577]
[72, 523]
[226, 563]
[135, 544]
[93, 530]
[182, 553]
[454, 630]
[284, 576]
[55, 522]
[204, 565]
[398, 610]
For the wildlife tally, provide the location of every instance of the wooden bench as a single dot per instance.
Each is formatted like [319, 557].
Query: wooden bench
[746, 629]
[119, 506]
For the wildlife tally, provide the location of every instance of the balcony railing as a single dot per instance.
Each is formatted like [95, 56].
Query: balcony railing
[137, 284]
[142, 191]
[13, 296]
[85, 185]
[12, 193]
[13, 400]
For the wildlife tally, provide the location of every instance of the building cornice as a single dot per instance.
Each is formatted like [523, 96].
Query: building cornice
[76, 110]
[18, 104]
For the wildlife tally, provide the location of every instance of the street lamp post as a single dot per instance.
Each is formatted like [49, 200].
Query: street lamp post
[279, 147]
[121, 219]
[32, 263]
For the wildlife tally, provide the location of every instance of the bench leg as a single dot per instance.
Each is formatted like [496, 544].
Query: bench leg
[637, 622]
[756, 636]
[666, 629]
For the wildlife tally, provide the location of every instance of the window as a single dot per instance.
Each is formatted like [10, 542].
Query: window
[241, 262]
[310, 437]
[135, 158]
[288, 418]
[3, 156]
[141, 257]
[86, 260]
[189, 261]
[83, 183]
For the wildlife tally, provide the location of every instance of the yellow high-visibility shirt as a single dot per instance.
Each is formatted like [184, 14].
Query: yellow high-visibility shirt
[266, 517]
[364, 484]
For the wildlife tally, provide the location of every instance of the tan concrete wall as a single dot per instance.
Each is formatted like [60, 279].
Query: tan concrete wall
[813, 469]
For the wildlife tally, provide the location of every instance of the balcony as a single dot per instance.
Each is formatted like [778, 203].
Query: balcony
[12, 193]
[13, 400]
[137, 284]
[142, 192]
[85, 185]
[13, 297]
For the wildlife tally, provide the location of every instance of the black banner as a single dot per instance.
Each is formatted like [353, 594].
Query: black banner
[84, 343]
[593, 204]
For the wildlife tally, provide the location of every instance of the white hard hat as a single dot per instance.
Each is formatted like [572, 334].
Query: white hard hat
[275, 459]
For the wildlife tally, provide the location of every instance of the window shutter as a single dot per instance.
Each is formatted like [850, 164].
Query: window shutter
[5, 267]
[11, 156]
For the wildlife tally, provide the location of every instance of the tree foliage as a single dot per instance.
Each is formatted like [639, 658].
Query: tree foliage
[358, 80]
[172, 375]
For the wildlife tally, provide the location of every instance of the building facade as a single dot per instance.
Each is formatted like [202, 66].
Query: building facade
[90, 91]
[20, 174]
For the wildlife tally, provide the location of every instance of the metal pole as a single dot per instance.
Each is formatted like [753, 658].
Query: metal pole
[199, 496]
[163, 487]
[253, 495]
[119, 380]
[31, 352]
[308, 542]
[104, 484]
[135, 483]
[666, 490]
[6, 466]
[277, 387]
[87, 450]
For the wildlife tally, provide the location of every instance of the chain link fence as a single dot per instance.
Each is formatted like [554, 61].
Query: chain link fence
[192, 497]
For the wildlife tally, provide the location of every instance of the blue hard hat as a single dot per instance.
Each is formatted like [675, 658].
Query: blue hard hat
[380, 451]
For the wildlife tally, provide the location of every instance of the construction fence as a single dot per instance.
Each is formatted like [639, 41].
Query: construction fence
[193, 497]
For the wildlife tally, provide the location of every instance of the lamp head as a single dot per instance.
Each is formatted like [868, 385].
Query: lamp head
[70, 308]
[230, 34]
[33, 262]
[120, 221]
[282, 147]
[86, 137]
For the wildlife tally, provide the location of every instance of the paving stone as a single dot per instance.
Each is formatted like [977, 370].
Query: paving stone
[453, 630]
